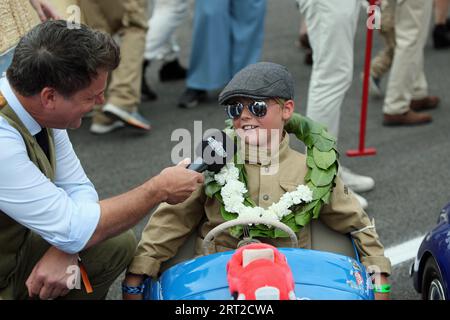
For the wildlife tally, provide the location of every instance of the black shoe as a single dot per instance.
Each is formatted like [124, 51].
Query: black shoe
[305, 45]
[147, 94]
[172, 71]
[441, 36]
[191, 98]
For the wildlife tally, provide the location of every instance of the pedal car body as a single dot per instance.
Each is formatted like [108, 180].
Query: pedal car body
[317, 275]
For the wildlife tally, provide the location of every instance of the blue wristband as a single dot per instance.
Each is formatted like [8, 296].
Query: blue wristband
[133, 290]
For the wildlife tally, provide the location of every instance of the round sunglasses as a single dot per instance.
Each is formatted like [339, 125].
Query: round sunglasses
[256, 108]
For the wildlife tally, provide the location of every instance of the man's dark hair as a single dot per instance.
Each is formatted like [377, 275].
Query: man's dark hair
[53, 55]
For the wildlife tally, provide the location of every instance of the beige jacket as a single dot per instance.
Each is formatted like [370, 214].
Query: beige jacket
[17, 17]
[170, 225]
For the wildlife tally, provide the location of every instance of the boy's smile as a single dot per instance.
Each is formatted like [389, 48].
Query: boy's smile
[258, 131]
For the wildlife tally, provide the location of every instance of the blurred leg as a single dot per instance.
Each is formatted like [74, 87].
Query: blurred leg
[411, 26]
[247, 25]
[331, 31]
[160, 40]
[383, 60]
[441, 8]
[441, 30]
[125, 87]
[210, 61]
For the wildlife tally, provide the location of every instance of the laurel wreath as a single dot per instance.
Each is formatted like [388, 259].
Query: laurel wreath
[322, 162]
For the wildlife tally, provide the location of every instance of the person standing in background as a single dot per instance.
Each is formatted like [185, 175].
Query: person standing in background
[331, 32]
[382, 62]
[407, 89]
[128, 20]
[228, 35]
[161, 43]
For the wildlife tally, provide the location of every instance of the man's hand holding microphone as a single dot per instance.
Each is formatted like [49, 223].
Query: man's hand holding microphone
[178, 183]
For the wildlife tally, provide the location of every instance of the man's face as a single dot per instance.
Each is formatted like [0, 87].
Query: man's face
[260, 131]
[69, 111]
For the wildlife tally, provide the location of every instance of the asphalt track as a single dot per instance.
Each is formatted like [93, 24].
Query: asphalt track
[410, 167]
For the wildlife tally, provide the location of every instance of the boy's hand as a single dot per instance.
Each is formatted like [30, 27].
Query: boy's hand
[380, 279]
[133, 280]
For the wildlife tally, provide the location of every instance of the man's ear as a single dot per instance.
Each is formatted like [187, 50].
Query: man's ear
[48, 98]
[288, 109]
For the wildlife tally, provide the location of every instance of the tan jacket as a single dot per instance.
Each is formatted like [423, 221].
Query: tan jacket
[170, 225]
[17, 17]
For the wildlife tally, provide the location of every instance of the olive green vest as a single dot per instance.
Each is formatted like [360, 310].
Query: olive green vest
[12, 234]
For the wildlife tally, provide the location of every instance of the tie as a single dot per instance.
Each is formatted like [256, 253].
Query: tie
[42, 140]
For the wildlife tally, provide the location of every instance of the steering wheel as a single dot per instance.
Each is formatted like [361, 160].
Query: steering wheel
[235, 222]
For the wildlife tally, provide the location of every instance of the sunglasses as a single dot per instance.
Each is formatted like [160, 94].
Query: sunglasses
[256, 108]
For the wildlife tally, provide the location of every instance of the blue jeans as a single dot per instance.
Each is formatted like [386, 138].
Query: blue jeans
[5, 61]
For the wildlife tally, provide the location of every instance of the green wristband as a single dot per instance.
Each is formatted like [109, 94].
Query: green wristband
[384, 288]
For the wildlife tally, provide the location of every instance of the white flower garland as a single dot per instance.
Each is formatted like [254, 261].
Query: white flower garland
[233, 192]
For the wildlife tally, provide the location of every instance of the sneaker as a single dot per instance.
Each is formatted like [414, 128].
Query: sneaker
[191, 98]
[133, 119]
[171, 71]
[374, 86]
[147, 94]
[102, 124]
[362, 201]
[355, 181]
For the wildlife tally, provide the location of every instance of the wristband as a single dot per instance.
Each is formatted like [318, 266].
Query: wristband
[383, 288]
[133, 290]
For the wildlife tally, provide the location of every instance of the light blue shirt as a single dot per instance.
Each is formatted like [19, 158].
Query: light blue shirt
[65, 213]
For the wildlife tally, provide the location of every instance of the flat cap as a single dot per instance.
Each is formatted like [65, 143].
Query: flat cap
[261, 80]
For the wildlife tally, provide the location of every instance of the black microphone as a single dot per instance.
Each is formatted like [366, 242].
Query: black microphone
[215, 152]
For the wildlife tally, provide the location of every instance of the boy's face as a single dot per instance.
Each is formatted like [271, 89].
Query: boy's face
[260, 131]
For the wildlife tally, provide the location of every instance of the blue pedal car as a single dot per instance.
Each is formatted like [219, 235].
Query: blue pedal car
[317, 274]
[431, 268]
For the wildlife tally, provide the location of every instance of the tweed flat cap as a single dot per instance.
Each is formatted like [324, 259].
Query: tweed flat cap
[261, 80]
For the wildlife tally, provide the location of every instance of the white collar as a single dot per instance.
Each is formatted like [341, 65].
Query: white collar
[29, 122]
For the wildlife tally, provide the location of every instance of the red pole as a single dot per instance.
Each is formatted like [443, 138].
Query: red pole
[362, 151]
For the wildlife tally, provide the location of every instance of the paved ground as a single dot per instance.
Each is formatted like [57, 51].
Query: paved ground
[410, 168]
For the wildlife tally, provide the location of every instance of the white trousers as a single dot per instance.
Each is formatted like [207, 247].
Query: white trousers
[161, 43]
[407, 80]
[331, 30]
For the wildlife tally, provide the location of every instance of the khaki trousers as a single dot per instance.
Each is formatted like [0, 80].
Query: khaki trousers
[128, 20]
[103, 262]
[407, 79]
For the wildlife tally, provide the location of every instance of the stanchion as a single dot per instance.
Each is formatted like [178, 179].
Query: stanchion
[362, 150]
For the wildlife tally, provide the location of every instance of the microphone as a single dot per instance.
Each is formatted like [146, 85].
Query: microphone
[215, 152]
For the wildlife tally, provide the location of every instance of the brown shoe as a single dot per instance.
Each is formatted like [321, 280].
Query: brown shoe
[427, 103]
[409, 118]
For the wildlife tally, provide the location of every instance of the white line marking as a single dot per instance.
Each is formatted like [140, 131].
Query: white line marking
[404, 251]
